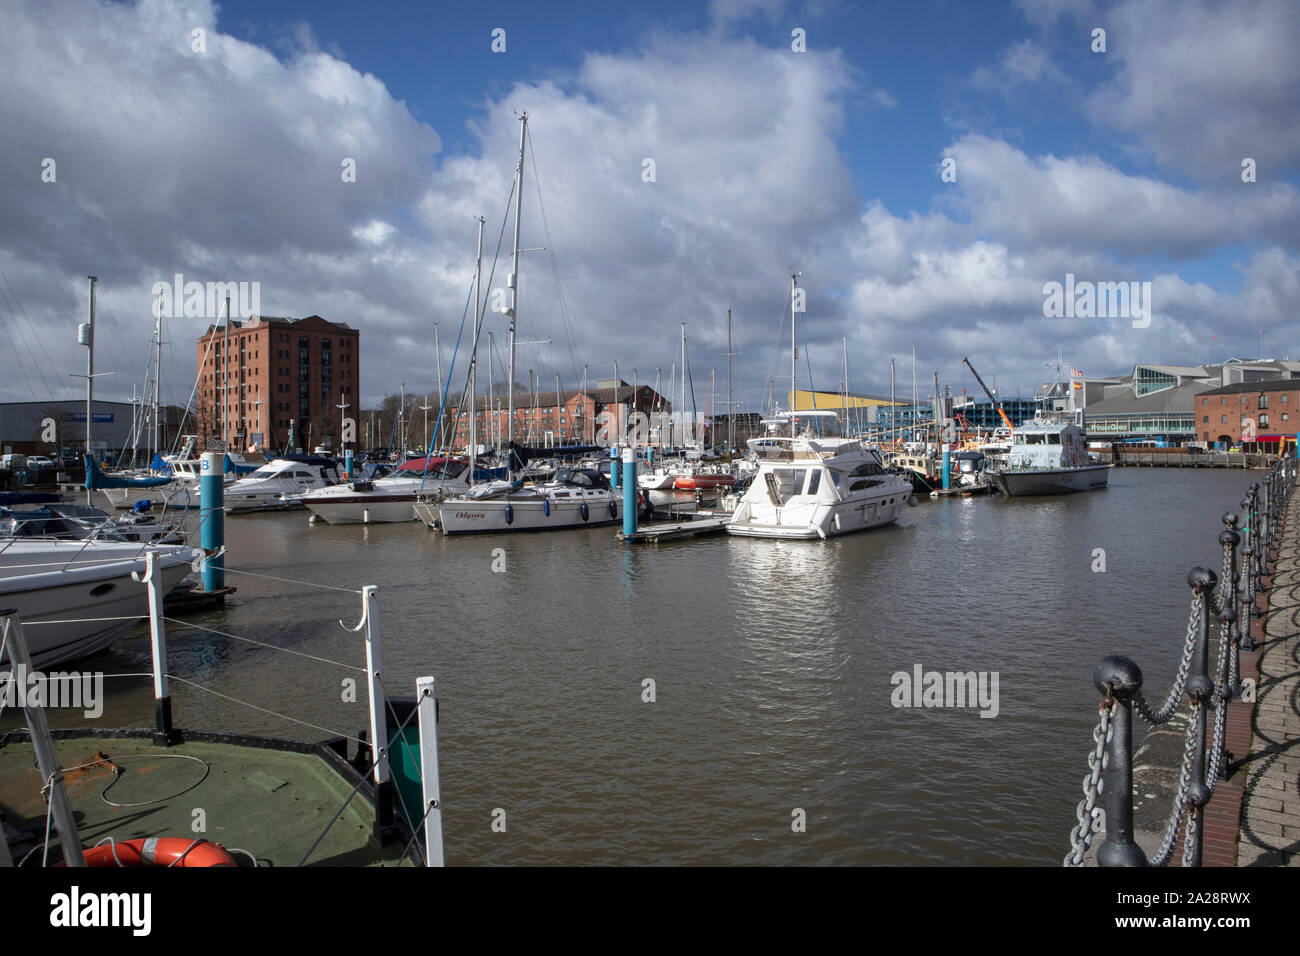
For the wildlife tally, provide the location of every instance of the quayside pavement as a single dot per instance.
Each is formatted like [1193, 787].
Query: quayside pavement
[1269, 833]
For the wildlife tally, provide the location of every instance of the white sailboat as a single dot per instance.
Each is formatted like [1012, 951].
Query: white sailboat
[574, 498]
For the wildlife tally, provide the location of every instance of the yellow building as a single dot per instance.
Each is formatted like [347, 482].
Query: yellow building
[806, 400]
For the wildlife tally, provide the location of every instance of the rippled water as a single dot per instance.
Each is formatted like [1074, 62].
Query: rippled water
[771, 660]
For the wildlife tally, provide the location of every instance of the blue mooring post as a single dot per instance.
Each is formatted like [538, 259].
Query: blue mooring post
[947, 468]
[629, 491]
[347, 463]
[213, 533]
[613, 468]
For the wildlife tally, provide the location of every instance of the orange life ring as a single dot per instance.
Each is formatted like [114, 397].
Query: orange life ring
[155, 851]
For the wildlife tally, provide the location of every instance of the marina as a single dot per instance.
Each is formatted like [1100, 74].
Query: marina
[849, 453]
[776, 696]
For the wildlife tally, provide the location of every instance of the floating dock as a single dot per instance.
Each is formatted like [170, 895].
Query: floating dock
[655, 533]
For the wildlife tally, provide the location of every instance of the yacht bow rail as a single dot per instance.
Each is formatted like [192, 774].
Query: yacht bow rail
[1229, 597]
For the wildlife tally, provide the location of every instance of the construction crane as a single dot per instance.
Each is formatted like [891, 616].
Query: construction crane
[1005, 420]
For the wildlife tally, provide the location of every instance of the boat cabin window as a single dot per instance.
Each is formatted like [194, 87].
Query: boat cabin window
[789, 481]
[1053, 439]
[1034, 439]
[814, 482]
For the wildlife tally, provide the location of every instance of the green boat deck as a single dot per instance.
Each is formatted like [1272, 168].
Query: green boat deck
[270, 798]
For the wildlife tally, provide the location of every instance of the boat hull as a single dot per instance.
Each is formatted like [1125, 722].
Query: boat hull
[1051, 481]
[464, 516]
[80, 599]
[820, 520]
[363, 509]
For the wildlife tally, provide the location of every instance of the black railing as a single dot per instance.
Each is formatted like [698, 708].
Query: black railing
[1229, 597]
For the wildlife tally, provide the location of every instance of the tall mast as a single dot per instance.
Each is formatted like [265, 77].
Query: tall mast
[491, 408]
[731, 405]
[437, 351]
[473, 357]
[514, 301]
[794, 349]
[225, 378]
[156, 437]
[914, 396]
[90, 374]
[844, 341]
[686, 441]
[893, 406]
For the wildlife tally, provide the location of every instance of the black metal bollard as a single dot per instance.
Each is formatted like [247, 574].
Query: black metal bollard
[1121, 678]
[1232, 599]
[1199, 689]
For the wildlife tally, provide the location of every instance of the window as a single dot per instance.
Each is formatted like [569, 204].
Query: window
[1263, 401]
[1263, 421]
[1206, 418]
[1223, 401]
[1285, 417]
[1223, 419]
[1285, 398]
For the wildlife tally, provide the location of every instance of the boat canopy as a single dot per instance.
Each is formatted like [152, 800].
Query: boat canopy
[97, 479]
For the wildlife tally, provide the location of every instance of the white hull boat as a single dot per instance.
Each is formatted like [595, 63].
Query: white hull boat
[391, 498]
[279, 485]
[809, 488]
[576, 498]
[79, 585]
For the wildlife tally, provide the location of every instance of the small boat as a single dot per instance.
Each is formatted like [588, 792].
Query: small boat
[78, 522]
[1049, 457]
[278, 484]
[84, 588]
[389, 498]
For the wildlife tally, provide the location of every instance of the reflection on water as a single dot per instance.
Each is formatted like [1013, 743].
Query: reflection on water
[771, 662]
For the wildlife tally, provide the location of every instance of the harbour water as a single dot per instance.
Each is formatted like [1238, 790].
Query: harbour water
[771, 662]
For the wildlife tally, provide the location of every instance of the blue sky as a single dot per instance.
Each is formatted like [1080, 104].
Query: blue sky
[222, 164]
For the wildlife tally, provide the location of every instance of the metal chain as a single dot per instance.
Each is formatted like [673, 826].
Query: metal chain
[1189, 836]
[1180, 800]
[1087, 810]
[1176, 691]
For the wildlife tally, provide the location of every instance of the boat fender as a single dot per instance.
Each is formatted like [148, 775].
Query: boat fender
[510, 514]
[613, 510]
[546, 507]
[583, 509]
[911, 501]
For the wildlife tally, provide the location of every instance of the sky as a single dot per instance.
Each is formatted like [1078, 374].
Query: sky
[929, 169]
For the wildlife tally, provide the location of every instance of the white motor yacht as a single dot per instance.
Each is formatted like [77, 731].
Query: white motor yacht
[816, 488]
[278, 484]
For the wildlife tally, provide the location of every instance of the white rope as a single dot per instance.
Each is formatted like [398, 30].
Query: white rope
[306, 584]
[274, 647]
[264, 710]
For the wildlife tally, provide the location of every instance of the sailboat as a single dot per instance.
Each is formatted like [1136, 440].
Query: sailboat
[573, 498]
[812, 487]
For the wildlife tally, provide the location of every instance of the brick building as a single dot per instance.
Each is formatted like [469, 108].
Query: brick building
[567, 417]
[277, 372]
[1267, 410]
